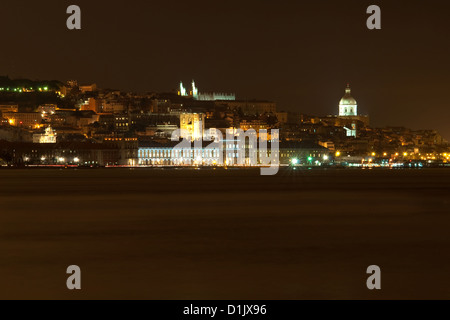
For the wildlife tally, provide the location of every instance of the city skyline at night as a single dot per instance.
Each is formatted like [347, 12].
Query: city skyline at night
[400, 72]
[144, 126]
[224, 159]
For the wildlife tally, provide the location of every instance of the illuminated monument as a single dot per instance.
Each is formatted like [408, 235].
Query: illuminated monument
[204, 96]
[193, 124]
[348, 105]
[182, 91]
[348, 115]
[194, 91]
[48, 137]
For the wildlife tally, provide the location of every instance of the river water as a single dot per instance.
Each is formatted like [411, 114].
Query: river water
[225, 234]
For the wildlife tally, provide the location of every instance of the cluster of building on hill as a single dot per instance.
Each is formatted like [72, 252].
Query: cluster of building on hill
[86, 125]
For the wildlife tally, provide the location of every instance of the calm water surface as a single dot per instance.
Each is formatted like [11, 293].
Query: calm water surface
[224, 234]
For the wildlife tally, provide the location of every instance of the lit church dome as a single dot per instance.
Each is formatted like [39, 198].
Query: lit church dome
[348, 105]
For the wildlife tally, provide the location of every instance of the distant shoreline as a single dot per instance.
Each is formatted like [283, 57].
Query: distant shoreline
[436, 166]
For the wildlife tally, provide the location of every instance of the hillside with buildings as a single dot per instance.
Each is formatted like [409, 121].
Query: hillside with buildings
[55, 123]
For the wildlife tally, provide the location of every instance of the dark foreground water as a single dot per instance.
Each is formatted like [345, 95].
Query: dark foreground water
[224, 234]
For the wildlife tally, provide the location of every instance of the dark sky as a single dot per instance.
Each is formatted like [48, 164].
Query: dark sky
[300, 54]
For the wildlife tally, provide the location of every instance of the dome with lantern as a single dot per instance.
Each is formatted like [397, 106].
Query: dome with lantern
[347, 105]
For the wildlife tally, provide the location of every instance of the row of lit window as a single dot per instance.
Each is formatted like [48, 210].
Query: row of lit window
[177, 153]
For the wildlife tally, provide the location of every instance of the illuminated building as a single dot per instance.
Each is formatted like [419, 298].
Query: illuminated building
[348, 108]
[48, 137]
[348, 114]
[24, 119]
[204, 96]
[348, 105]
[47, 109]
[351, 130]
[193, 124]
[121, 123]
[194, 91]
[164, 154]
[213, 96]
[182, 92]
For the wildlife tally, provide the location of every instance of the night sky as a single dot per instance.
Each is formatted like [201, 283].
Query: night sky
[300, 54]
